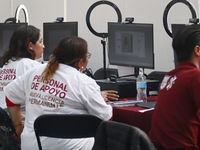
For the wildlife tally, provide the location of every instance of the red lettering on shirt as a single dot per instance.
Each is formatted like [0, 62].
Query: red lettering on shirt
[51, 91]
[35, 78]
[62, 94]
[65, 88]
[1, 76]
[57, 91]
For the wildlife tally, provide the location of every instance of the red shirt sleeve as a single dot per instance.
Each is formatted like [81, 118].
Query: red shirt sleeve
[111, 118]
[10, 104]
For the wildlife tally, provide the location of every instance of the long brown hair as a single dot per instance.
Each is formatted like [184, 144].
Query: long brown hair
[19, 43]
[68, 51]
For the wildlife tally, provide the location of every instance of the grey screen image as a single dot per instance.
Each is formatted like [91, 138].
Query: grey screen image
[131, 45]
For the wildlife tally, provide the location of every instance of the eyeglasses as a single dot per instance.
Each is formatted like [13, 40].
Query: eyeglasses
[89, 55]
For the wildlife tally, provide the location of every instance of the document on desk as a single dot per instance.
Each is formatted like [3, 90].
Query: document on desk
[124, 103]
[145, 110]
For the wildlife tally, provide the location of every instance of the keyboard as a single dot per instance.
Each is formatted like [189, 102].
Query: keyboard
[147, 104]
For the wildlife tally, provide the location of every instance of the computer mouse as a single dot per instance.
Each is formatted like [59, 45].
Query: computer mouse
[113, 77]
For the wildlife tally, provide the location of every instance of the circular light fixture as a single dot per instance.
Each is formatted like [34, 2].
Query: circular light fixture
[166, 11]
[25, 13]
[103, 35]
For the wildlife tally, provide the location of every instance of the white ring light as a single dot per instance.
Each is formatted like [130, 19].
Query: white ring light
[25, 13]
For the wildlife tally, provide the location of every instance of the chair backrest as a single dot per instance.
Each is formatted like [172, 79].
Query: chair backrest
[66, 126]
[118, 136]
[5, 120]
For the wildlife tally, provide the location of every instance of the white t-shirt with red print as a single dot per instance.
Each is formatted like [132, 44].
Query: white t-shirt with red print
[9, 72]
[67, 92]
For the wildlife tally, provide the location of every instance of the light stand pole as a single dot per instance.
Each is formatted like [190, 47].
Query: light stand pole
[103, 35]
[104, 57]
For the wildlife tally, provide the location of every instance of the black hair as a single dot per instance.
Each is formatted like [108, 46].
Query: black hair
[185, 41]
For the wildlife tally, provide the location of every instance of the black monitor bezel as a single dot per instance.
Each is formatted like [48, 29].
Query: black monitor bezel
[49, 26]
[3, 27]
[123, 28]
[7, 26]
[175, 28]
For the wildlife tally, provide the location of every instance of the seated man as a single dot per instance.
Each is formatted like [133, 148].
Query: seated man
[176, 118]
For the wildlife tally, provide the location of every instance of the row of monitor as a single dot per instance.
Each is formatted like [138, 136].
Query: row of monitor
[128, 44]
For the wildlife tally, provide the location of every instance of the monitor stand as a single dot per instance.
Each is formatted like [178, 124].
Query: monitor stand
[133, 75]
[127, 71]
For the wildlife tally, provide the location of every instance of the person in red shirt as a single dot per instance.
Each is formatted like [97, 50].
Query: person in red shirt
[176, 118]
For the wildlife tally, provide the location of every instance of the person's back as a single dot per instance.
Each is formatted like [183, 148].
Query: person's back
[11, 71]
[67, 91]
[7, 74]
[19, 56]
[176, 120]
[176, 114]
[24, 48]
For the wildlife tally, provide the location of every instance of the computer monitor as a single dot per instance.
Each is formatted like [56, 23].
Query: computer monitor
[131, 45]
[54, 32]
[6, 31]
[175, 28]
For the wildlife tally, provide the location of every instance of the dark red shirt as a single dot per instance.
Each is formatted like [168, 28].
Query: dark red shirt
[176, 118]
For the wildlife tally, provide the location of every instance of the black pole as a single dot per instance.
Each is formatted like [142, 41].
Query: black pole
[137, 70]
[104, 57]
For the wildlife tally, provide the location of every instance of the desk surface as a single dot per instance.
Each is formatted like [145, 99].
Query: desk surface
[131, 115]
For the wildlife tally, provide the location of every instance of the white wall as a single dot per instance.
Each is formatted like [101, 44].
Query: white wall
[5, 10]
[144, 11]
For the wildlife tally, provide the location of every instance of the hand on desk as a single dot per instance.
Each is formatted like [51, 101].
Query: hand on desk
[109, 95]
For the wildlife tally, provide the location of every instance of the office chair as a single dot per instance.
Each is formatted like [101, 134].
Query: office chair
[118, 136]
[66, 126]
[5, 120]
[7, 130]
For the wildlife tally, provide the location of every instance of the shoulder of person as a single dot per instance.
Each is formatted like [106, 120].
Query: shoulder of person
[86, 79]
[28, 63]
[11, 63]
[34, 70]
[24, 65]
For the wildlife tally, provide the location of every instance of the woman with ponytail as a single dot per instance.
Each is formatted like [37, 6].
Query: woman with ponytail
[58, 87]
